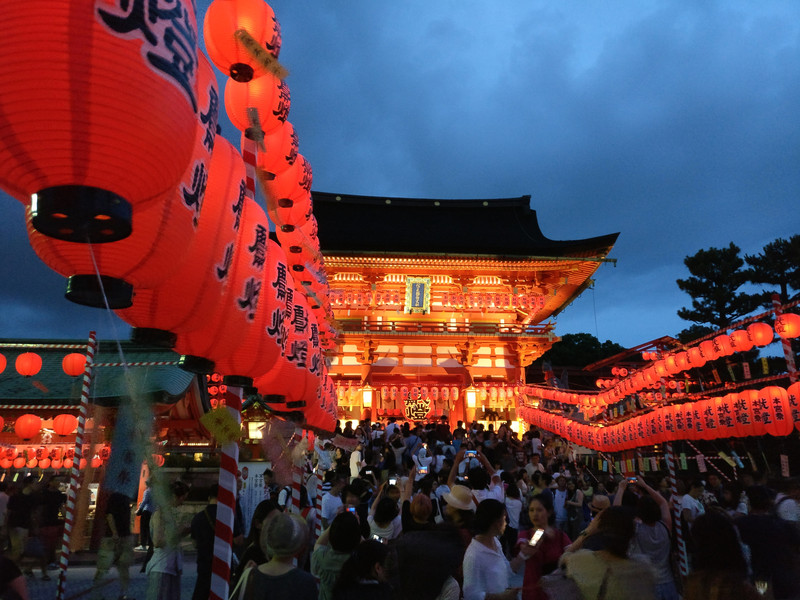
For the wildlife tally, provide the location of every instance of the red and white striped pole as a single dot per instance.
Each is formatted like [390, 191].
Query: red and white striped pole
[683, 557]
[226, 504]
[785, 342]
[75, 473]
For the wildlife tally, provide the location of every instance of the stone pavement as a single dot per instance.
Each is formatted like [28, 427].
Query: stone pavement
[81, 572]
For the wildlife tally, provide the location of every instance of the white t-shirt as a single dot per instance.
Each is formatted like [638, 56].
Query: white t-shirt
[355, 463]
[694, 507]
[486, 571]
[330, 506]
[559, 504]
[513, 509]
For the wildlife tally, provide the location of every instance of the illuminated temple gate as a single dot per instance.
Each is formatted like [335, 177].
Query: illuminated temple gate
[442, 304]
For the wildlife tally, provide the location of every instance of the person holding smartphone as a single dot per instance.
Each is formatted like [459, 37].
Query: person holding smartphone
[540, 547]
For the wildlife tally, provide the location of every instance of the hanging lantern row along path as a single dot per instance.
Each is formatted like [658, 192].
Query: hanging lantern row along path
[771, 410]
[787, 326]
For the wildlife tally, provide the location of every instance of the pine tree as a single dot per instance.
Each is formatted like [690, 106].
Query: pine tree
[717, 275]
[777, 268]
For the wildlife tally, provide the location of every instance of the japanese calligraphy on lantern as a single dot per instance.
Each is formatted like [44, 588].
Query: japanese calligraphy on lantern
[168, 34]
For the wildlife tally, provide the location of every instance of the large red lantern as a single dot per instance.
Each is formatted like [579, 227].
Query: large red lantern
[65, 424]
[260, 349]
[787, 325]
[747, 421]
[185, 301]
[27, 426]
[2, 363]
[162, 230]
[761, 334]
[780, 418]
[726, 415]
[723, 345]
[236, 310]
[28, 364]
[19, 462]
[280, 150]
[223, 19]
[114, 100]
[268, 94]
[74, 364]
[709, 350]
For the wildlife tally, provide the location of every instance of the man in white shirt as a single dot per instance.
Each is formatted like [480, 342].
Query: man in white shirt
[356, 462]
[534, 464]
[332, 501]
[691, 507]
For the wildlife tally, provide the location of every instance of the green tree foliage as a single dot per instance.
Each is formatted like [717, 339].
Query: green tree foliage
[777, 268]
[578, 350]
[716, 276]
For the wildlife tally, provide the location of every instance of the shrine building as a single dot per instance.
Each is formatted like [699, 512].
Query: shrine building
[441, 304]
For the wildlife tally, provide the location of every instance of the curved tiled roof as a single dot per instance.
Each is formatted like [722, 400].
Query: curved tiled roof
[497, 227]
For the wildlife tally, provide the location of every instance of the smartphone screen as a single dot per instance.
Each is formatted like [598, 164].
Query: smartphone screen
[351, 509]
[392, 481]
[423, 470]
[470, 454]
[537, 535]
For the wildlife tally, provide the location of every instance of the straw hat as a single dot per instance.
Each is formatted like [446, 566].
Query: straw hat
[460, 497]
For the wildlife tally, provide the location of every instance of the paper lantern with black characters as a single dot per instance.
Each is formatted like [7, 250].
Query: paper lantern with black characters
[280, 150]
[162, 230]
[787, 325]
[223, 18]
[268, 95]
[761, 334]
[236, 311]
[744, 413]
[780, 419]
[185, 301]
[740, 340]
[793, 399]
[98, 105]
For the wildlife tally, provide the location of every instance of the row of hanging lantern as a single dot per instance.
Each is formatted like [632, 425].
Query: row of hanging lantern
[168, 234]
[670, 364]
[290, 326]
[771, 410]
[29, 364]
[56, 457]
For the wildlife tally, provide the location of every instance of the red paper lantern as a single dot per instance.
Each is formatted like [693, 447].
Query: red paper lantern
[123, 102]
[281, 150]
[709, 350]
[28, 364]
[27, 426]
[696, 358]
[44, 463]
[223, 18]
[186, 300]
[19, 462]
[2, 363]
[793, 398]
[787, 326]
[162, 231]
[268, 94]
[723, 345]
[780, 421]
[671, 364]
[236, 310]
[74, 364]
[68, 463]
[6, 463]
[746, 425]
[761, 334]
[65, 424]
[56, 463]
[740, 340]
[260, 349]
[96, 462]
[82, 464]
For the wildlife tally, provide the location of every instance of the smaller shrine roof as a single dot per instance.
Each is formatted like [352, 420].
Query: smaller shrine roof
[51, 386]
[498, 227]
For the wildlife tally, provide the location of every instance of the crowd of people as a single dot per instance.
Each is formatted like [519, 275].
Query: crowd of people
[433, 512]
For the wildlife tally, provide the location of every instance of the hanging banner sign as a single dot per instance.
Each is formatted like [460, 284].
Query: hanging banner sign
[784, 465]
[701, 463]
[684, 466]
[654, 463]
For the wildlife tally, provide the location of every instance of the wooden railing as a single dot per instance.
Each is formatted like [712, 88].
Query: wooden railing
[441, 328]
